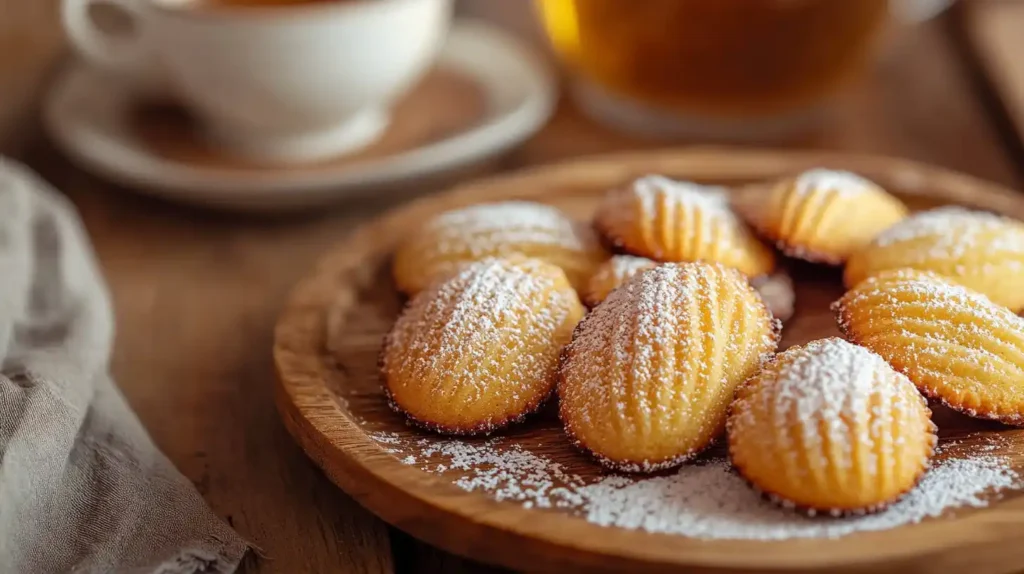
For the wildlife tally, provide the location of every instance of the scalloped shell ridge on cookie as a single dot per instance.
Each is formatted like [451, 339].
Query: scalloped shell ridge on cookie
[646, 382]
[454, 238]
[480, 350]
[676, 221]
[979, 250]
[820, 215]
[830, 427]
[954, 343]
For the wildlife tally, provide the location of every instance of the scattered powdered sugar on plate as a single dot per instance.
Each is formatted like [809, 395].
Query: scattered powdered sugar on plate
[702, 500]
[382, 438]
[510, 473]
[710, 501]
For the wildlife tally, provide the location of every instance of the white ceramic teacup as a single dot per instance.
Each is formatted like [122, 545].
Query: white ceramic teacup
[285, 83]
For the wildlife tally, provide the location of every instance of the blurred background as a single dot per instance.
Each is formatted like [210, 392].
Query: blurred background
[215, 148]
[895, 76]
[688, 71]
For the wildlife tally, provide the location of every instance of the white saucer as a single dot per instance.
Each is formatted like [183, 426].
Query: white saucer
[85, 114]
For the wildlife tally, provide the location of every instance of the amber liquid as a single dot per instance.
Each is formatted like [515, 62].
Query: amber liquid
[722, 57]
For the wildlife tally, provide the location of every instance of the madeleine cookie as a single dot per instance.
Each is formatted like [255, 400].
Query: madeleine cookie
[830, 427]
[465, 235]
[821, 215]
[665, 220]
[479, 351]
[778, 293]
[978, 250]
[649, 375]
[776, 289]
[955, 344]
[612, 274]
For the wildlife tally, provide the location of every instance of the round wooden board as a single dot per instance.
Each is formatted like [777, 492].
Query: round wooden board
[329, 335]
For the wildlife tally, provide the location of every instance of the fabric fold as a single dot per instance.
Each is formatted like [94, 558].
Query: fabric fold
[82, 486]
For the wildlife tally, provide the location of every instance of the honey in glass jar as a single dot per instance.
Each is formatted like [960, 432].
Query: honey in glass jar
[726, 67]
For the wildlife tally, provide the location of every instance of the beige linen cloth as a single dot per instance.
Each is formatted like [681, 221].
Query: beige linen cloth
[83, 489]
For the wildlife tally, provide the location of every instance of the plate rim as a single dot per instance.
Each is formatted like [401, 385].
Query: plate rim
[361, 466]
[148, 174]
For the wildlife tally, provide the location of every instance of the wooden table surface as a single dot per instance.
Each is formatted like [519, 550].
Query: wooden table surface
[197, 293]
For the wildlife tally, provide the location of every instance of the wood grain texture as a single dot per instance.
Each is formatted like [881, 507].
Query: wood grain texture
[328, 340]
[212, 414]
[916, 103]
[30, 42]
[195, 298]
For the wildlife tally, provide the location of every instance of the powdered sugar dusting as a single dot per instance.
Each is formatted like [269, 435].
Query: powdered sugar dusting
[706, 500]
[961, 347]
[650, 187]
[710, 501]
[465, 339]
[613, 273]
[650, 195]
[711, 202]
[668, 220]
[776, 289]
[911, 286]
[938, 298]
[833, 181]
[511, 473]
[646, 361]
[625, 266]
[501, 228]
[952, 232]
[833, 382]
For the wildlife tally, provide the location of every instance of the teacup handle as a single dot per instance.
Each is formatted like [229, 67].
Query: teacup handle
[123, 55]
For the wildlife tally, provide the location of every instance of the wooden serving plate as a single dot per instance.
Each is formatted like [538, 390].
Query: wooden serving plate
[328, 339]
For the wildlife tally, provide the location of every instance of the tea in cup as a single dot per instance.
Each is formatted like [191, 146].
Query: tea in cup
[723, 69]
